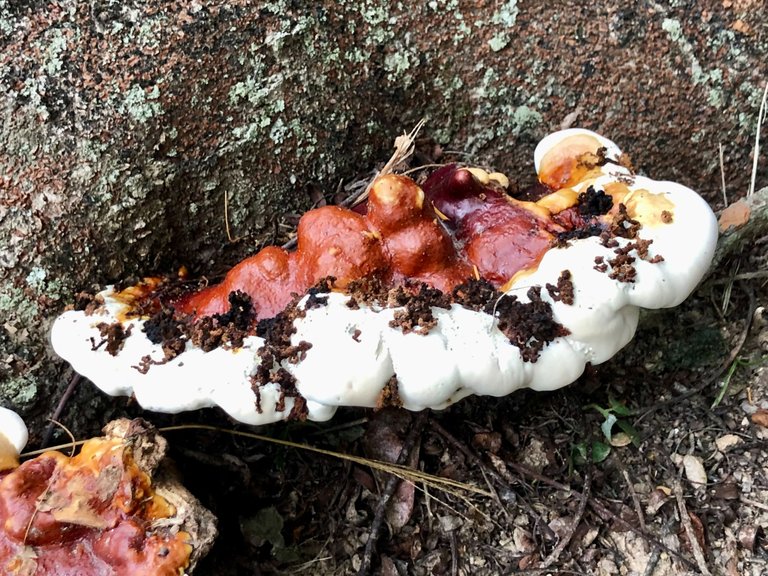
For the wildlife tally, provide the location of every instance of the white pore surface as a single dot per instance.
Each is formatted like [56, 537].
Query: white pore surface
[13, 428]
[354, 353]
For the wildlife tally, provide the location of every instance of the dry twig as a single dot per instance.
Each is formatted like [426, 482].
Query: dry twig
[410, 441]
[555, 554]
[630, 486]
[48, 434]
[698, 553]
[475, 459]
[602, 510]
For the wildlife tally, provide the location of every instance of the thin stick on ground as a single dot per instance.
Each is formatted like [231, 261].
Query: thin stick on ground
[602, 510]
[630, 486]
[756, 152]
[722, 174]
[410, 441]
[698, 553]
[454, 554]
[653, 560]
[475, 459]
[566, 539]
[48, 434]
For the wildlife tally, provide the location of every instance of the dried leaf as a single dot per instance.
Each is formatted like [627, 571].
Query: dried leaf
[385, 434]
[527, 561]
[694, 470]
[384, 440]
[749, 535]
[388, 567]
[665, 489]
[698, 533]
[364, 479]
[761, 418]
[734, 216]
[656, 500]
[490, 441]
[401, 505]
[727, 491]
[621, 439]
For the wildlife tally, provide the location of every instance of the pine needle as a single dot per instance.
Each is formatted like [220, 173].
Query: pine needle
[403, 472]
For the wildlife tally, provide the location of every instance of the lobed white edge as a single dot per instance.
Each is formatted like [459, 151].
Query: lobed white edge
[354, 353]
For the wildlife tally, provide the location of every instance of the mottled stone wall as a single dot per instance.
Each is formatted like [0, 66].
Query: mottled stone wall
[124, 124]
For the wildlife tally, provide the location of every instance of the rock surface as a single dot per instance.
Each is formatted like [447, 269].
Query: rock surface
[125, 125]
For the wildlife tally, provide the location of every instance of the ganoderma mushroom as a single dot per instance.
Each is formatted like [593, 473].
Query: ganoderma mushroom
[100, 512]
[431, 294]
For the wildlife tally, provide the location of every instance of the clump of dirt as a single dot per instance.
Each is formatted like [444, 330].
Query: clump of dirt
[530, 326]
[594, 202]
[113, 335]
[417, 316]
[230, 328]
[563, 291]
[477, 295]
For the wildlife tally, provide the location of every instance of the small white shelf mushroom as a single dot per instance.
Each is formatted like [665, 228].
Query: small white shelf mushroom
[13, 437]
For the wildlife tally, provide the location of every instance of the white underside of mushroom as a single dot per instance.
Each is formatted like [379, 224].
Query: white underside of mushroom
[14, 430]
[355, 352]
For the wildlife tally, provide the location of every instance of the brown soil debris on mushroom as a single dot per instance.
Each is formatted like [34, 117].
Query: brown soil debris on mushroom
[563, 291]
[594, 202]
[530, 326]
[389, 396]
[417, 316]
[114, 335]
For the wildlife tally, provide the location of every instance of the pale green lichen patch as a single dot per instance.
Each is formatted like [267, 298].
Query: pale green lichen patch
[524, 118]
[18, 307]
[19, 391]
[397, 64]
[503, 19]
[57, 46]
[142, 105]
[713, 79]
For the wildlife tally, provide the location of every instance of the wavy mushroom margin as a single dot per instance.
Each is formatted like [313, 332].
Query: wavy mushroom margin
[358, 359]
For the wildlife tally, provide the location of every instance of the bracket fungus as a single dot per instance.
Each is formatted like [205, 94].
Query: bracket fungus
[427, 295]
[101, 511]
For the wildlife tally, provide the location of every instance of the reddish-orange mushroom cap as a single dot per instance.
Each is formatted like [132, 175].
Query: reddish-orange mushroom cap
[94, 513]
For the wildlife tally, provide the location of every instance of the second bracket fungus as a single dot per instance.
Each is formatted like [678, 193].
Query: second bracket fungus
[431, 294]
[113, 509]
